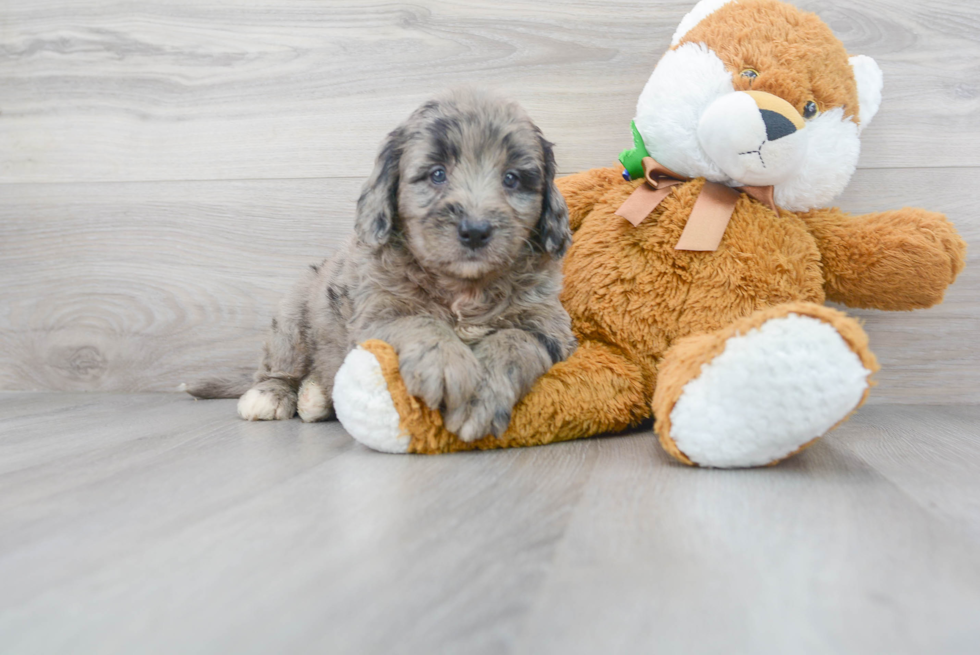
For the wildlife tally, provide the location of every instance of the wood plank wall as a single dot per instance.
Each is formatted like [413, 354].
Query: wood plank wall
[168, 168]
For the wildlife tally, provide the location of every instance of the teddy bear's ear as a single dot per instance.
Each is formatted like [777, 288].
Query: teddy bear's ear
[701, 11]
[869, 82]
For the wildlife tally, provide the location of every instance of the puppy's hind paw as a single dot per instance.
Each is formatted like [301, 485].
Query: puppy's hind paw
[266, 405]
[312, 403]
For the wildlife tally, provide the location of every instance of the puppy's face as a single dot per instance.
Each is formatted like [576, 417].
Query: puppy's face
[475, 187]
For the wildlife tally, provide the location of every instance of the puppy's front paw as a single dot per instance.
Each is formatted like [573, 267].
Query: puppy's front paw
[484, 414]
[266, 405]
[440, 373]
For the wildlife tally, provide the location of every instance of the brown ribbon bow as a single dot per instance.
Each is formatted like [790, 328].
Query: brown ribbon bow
[710, 214]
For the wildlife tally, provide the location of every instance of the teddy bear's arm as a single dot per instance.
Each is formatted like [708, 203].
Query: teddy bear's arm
[583, 190]
[894, 260]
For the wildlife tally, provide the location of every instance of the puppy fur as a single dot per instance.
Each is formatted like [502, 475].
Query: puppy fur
[474, 321]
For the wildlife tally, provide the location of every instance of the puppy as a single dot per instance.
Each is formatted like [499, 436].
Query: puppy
[455, 262]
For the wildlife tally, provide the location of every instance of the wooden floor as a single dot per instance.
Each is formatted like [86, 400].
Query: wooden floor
[157, 524]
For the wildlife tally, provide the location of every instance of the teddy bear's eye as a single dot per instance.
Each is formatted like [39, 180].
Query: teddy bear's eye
[809, 110]
[750, 73]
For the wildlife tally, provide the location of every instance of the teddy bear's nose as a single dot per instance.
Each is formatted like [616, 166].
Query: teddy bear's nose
[777, 125]
[780, 118]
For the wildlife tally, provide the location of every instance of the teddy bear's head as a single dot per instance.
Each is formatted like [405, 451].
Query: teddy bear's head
[759, 93]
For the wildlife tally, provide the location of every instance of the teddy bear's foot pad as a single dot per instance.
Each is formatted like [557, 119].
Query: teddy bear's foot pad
[770, 392]
[364, 405]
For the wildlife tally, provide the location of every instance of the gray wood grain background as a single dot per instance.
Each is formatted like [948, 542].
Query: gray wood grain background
[167, 168]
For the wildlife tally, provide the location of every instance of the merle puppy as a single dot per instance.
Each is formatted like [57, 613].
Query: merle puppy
[455, 262]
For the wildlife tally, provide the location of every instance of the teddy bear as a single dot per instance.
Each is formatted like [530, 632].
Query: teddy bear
[700, 265]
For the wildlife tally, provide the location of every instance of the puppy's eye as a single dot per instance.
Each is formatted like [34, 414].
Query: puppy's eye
[438, 175]
[750, 73]
[511, 180]
[810, 110]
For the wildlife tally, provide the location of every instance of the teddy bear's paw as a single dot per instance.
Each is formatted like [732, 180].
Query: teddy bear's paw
[364, 406]
[773, 390]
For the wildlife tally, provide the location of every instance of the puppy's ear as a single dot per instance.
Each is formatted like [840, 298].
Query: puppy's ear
[377, 208]
[553, 233]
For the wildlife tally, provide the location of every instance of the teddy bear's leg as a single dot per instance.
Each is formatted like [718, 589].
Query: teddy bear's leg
[763, 388]
[596, 390]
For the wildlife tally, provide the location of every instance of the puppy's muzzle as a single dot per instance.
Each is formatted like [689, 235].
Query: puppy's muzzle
[474, 234]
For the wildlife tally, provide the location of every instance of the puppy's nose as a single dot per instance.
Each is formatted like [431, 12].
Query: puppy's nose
[474, 234]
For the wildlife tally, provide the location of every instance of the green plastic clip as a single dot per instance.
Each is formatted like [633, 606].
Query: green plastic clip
[632, 159]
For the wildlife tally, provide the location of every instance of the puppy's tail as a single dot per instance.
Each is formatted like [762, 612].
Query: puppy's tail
[218, 387]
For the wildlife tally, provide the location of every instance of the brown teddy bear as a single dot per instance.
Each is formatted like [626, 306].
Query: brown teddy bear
[698, 272]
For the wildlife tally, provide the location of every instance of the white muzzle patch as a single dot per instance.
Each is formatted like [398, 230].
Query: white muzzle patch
[754, 146]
